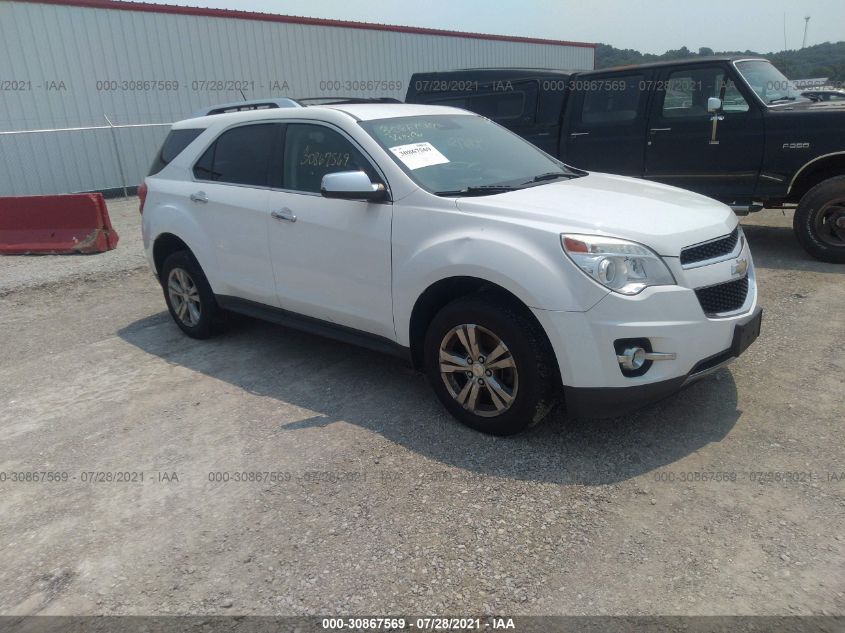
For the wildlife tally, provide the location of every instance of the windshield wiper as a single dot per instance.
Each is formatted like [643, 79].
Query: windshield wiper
[771, 101]
[552, 175]
[477, 190]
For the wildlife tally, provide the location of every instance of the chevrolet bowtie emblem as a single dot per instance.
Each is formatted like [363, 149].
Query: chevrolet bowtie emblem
[740, 267]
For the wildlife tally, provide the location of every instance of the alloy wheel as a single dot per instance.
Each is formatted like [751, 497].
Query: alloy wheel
[478, 370]
[184, 297]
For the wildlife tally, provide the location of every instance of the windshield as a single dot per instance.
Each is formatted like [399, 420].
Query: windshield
[464, 154]
[768, 82]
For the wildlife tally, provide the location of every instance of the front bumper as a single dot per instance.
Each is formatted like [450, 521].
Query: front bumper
[670, 317]
[604, 402]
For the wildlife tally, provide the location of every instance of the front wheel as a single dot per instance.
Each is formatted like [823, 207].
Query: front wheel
[819, 221]
[490, 364]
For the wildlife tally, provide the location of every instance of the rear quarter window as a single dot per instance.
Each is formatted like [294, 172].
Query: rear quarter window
[176, 141]
[507, 102]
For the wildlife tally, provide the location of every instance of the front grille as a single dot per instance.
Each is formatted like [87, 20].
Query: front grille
[710, 250]
[725, 297]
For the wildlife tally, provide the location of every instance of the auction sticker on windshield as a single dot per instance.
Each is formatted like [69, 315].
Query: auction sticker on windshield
[417, 155]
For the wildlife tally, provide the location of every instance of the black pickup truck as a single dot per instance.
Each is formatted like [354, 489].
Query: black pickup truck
[731, 128]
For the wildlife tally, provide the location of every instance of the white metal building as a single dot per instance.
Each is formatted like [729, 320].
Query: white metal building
[71, 69]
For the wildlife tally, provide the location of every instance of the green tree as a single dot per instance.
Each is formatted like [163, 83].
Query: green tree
[821, 60]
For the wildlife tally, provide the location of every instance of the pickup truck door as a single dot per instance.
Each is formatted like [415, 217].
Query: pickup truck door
[682, 148]
[331, 257]
[604, 124]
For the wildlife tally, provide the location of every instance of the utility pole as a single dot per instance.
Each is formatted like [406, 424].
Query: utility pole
[806, 24]
[784, 31]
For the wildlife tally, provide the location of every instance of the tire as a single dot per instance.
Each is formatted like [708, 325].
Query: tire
[819, 221]
[181, 276]
[532, 382]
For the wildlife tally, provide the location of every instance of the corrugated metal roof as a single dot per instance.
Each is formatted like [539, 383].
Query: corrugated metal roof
[80, 62]
[294, 19]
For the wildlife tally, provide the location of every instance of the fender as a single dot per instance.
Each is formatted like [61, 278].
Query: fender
[536, 276]
[808, 164]
[174, 220]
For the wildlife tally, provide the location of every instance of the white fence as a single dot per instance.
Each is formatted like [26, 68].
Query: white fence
[77, 159]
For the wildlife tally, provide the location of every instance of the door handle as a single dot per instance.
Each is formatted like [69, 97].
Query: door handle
[655, 130]
[574, 134]
[714, 123]
[199, 196]
[285, 215]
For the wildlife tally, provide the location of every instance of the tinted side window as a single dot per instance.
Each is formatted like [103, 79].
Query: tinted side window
[240, 156]
[453, 102]
[203, 169]
[732, 99]
[173, 145]
[685, 92]
[610, 99]
[312, 151]
[506, 102]
[499, 106]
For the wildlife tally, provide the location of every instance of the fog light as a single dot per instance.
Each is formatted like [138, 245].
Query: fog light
[636, 356]
[632, 359]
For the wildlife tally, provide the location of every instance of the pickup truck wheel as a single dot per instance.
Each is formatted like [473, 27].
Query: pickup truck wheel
[188, 295]
[819, 221]
[490, 364]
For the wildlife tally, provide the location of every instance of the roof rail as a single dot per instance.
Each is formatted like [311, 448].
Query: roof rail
[285, 102]
[344, 100]
[252, 104]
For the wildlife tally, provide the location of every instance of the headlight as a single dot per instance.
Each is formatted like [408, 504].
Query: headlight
[623, 266]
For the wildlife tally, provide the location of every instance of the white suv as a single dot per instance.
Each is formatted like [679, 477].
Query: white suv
[435, 234]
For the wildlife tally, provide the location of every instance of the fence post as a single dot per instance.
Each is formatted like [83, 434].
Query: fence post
[117, 154]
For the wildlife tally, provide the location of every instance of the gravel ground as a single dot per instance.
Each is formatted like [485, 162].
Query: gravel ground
[381, 502]
[27, 271]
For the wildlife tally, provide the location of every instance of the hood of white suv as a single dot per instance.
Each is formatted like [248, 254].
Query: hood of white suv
[663, 218]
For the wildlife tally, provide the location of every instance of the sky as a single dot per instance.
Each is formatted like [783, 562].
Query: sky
[650, 26]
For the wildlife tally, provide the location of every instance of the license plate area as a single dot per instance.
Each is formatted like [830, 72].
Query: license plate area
[746, 333]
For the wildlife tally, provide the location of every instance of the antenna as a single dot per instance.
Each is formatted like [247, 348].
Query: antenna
[806, 24]
[242, 94]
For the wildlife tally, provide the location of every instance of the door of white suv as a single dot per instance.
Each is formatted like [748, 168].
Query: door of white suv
[229, 198]
[331, 257]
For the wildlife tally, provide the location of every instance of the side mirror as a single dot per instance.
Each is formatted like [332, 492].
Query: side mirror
[714, 104]
[352, 185]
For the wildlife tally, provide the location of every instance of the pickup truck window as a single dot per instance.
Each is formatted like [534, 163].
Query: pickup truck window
[768, 82]
[507, 105]
[685, 92]
[504, 101]
[732, 100]
[611, 100]
[463, 153]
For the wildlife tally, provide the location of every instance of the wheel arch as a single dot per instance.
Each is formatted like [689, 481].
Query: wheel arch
[444, 291]
[814, 172]
[166, 244]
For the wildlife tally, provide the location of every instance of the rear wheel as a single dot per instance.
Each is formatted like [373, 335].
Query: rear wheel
[490, 364]
[188, 295]
[819, 221]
